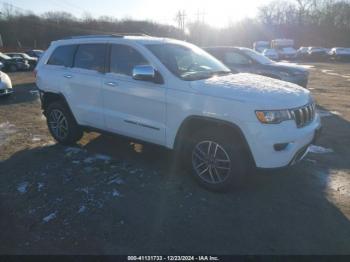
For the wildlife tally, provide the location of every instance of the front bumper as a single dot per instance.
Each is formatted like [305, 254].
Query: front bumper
[262, 138]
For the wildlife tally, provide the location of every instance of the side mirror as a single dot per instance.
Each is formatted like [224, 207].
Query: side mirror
[144, 73]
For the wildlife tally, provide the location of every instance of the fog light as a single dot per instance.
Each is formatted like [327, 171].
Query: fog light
[280, 147]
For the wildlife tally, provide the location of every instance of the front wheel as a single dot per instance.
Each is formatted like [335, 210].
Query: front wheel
[218, 163]
[62, 124]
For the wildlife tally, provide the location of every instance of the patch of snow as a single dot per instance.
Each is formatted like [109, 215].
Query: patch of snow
[115, 193]
[73, 151]
[6, 129]
[82, 209]
[36, 138]
[319, 150]
[89, 160]
[96, 157]
[34, 92]
[22, 187]
[103, 157]
[49, 217]
[335, 113]
[330, 72]
[243, 86]
[85, 190]
[117, 181]
[40, 186]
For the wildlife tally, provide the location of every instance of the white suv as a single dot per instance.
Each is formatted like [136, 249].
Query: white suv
[176, 95]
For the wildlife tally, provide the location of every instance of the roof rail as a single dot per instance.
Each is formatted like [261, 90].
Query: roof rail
[118, 35]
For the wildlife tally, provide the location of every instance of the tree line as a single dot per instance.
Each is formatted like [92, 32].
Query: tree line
[309, 22]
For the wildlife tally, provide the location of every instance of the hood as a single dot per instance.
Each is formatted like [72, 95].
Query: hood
[263, 92]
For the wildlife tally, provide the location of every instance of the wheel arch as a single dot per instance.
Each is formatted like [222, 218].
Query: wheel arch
[49, 97]
[192, 123]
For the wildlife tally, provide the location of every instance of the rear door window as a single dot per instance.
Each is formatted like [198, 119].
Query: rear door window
[63, 56]
[91, 57]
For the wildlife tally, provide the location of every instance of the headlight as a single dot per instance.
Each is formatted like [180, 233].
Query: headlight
[273, 116]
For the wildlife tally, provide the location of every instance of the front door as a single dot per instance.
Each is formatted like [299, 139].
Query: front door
[132, 107]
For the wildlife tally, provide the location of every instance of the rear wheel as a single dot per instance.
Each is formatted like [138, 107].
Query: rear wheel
[218, 162]
[62, 124]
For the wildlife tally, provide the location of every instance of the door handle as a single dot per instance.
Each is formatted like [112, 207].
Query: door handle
[68, 76]
[111, 84]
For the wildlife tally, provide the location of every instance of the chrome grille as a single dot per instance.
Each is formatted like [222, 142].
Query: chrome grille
[304, 115]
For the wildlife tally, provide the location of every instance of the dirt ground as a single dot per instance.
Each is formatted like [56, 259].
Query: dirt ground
[109, 195]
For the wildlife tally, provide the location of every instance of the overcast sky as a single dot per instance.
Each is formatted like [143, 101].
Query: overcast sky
[215, 12]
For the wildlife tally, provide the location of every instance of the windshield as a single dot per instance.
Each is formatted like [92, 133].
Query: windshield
[188, 62]
[261, 59]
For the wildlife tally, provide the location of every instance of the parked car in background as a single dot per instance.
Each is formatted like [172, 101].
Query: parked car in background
[285, 48]
[174, 94]
[260, 46]
[340, 53]
[5, 85]
[288, 53]
[271, 53]
[317, 53]
[245, 60]
[31, 60]
[302, 52]
[13, 64]
[35, 53]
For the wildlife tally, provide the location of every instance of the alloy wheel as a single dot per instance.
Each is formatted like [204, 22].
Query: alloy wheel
[58, 124]
[211, 162]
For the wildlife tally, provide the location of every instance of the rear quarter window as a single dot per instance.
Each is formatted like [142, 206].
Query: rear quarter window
[63, 56]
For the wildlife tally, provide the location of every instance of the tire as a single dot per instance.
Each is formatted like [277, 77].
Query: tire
[225, 166]
[62, 125]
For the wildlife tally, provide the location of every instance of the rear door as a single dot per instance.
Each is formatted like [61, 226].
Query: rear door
[51, 75]
[84, 80]
[132, 107]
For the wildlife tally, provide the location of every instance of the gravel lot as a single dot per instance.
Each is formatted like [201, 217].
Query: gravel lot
[109, 195]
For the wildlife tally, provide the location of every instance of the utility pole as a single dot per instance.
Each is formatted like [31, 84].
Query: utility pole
[181, 19]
